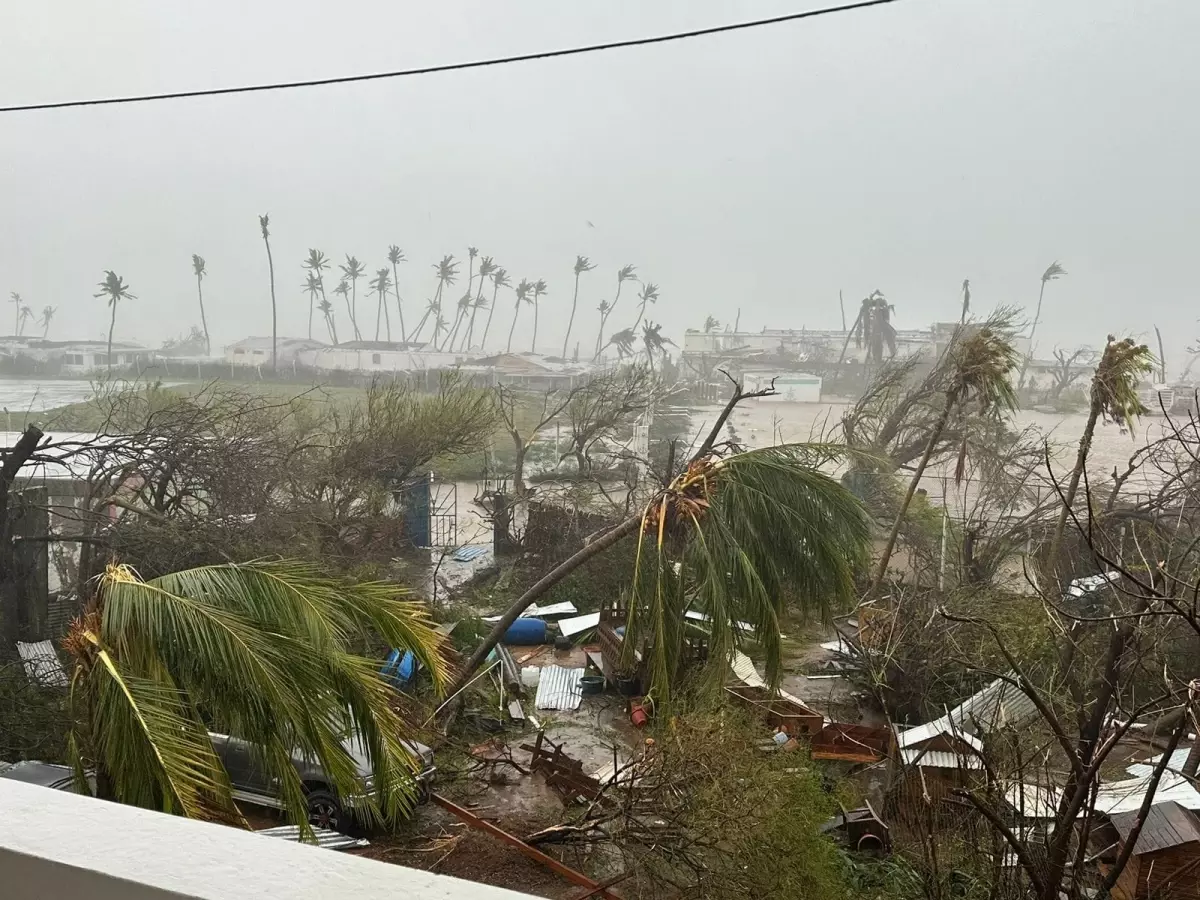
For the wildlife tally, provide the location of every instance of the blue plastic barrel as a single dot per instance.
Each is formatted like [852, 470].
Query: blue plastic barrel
[526, 631]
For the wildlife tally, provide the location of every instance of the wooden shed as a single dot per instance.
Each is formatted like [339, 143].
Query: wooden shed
[1165, 864]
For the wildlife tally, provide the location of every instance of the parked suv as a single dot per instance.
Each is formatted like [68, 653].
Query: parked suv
[325, 808]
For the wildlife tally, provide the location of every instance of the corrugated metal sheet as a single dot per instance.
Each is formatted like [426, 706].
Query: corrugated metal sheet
[326, 839]
[1126, 796]
[559, 688]
[42, 664]
[1146, 769]
[939, 759]
[1036, 801]
[998, 705]
[743, 668]
[468, 553]
[922, 733]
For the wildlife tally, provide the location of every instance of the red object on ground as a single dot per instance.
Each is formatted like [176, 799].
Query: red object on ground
[637, 714]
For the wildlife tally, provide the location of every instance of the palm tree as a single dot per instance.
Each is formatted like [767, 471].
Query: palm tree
[625, 273]
[264, 223]
[623, 341]
[872, 328]
[352, 271]
[17, 303]
[464, 306]
[1113, 398]
[648, 294]
[316, 264]
[268, 652]
[966, 300]
[654, 342]
[982, 362]
[343, 290]
[582, 264]
[198, 269]
[432, 308]
[25, 315]
[396, 255]
[499, 280]
[1053, 272]
[114, 289]
[522, 291]
[440, 326]
[312, 286]
[539, 290]
[47, 314]
[447, 274]
[486, 268]
[326, 309]
[472, 252]
[710, 324]
[381, 284]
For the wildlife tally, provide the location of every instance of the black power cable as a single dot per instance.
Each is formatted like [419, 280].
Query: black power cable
[454, 67]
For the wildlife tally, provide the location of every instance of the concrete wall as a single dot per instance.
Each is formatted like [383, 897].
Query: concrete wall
[55, 844]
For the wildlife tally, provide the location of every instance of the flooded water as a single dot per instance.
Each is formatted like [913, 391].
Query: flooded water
[19, 396]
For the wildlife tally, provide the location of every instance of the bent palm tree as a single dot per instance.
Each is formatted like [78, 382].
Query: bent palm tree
[396, 255]
[352, 271]
[17, 303]
[710, 324]
[499, 280]
[447, 274]
[582, 264]
[654, 342]
[267, 650]
[486, 268]
[25, 316]
[198, 268]
[623, 340]
[312, 287]
[381, 284]
[982, 362]
[432, 308]
[472, 252]
[113, 289]
[316, 263]
[1113, 398]
[539, 290]
[522, 291]
[1053, 272]
[625, 273]
[326, 309]
[48, 314]
[264, 223]
[648, 294]
[343, 291]
[464, 305]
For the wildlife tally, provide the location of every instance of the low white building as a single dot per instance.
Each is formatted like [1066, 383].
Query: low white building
[86, 357]
[256, 351]
[790, 387]
[380, 356]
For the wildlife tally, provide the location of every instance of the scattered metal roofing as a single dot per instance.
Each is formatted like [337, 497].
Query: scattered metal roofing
[939, 759]
[998, 705]
[1146, 769]
[911, 737]
[326, 839]
[42, 664]
[469, 552]
[579, 624]
[1033, 801]
[743, 668]
[565, 608]
[559, 688]
[1081, 587]
[1167, 825]
[1126, 796]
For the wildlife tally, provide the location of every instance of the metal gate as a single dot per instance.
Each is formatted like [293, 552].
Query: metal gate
[430, 511]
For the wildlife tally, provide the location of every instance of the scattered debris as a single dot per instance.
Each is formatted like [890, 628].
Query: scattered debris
[562, 772]
[559, 688]
[862, 829]
[469, 553]
[324, 837]
[42, 664]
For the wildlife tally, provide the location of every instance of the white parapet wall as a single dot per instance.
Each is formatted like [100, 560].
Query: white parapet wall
[55, 844]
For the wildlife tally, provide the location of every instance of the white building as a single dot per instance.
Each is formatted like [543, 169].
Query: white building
[380, 356]
[256, 351]
[790, 387]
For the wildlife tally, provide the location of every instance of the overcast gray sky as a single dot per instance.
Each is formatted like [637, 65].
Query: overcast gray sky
[903, 148]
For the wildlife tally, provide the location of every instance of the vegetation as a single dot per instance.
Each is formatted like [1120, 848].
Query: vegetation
[114, 289]
[264, 223]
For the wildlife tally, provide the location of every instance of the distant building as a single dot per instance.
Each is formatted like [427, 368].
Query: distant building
[256, 351]
[380, 356]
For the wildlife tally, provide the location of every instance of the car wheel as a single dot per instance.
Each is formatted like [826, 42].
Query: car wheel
[325, 811]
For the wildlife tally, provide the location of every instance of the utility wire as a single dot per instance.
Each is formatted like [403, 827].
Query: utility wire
[454, 67]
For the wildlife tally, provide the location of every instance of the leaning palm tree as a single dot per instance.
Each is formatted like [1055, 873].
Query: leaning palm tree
[582, 264]
[982, 361]
[654, 342]
[113, 289]
[432, 308]
[486, 268]
[17, 303]
[381, 284]
[499, 280]
[312, 286]
[472, 252]
[198, 269]
[264, 223]
[464, 306]
[266, 652]
[966, 300]
[440, 327]
[522, 291]
[623, 340]
[625, 273]
[316, 263]
[1053, 272]
[1113, 398]
[326, 309]
[648, 294]
[352, 271]
[47, 314]
[396, 255]
[539, 290]
[343, 291]
[447, 275]
[23, 319]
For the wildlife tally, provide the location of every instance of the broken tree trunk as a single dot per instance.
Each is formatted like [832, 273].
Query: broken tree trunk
[9, 593]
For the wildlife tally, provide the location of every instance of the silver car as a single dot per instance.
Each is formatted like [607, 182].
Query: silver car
[325, 808]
